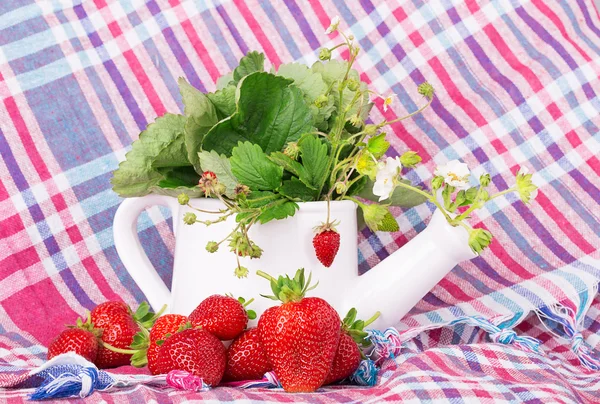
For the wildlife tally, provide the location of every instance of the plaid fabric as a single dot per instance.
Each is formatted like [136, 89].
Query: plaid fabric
[517, 85]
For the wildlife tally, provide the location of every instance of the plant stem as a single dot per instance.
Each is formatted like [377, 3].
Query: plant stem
[248, 302]
[115, 349]
[265, 275]
[375, 317]
[407, 116]
[430, 197]
[206, 211]
[503, 192]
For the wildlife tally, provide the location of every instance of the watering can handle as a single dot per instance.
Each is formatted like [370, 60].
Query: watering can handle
[131, 252]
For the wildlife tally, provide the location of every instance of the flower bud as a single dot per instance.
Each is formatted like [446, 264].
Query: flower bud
[292, 150]
[410, 159]
[219, 188]
[437, 182]
[189, 218]
[325, 54]
[212, 246]
[183, 198]
[374, 215]
[426, 90]
[241, 272]
[356, 121]
[485, 180]
[479, 239]
[256, 251]
[353, 84]
[371, 130]
[241, 189]
[321, 101]
[350, 37]
[340, 187]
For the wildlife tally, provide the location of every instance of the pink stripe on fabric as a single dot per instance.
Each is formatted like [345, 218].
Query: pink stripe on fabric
[200, 49]
[142, 77]
[256, 29]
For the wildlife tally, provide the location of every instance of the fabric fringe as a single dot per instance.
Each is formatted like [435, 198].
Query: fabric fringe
[569, 316]
[389, 343]
[71, 381]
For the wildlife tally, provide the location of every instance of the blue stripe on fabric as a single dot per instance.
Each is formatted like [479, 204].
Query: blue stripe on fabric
[217, 35]
[239, 40]
[282, 30]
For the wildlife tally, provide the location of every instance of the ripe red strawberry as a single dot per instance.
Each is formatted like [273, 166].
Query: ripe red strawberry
[222, 316]
[119, 326]
[246, 359]
[300, 337]
[79, 340]
[195, 351]
[348, 354]
[164, 327]
[326, 243]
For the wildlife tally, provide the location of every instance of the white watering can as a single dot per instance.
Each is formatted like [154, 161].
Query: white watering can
[393, 287]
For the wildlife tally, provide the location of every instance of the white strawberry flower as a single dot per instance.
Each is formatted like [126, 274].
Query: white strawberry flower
[455, 174]
[333, 26]
[387, 101]
[387, 172]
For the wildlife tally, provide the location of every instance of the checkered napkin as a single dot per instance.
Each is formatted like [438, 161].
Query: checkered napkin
[517, 85]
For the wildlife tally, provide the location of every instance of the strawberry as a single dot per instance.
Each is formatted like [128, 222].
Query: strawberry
[246, 359]
[326, 243]
[164, 327]
[119, 327]
[300, 337]
[195, 351]
[82, 339]
[223, 316]
[348, 354]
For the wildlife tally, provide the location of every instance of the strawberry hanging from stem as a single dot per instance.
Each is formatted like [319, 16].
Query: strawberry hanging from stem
[326, 241]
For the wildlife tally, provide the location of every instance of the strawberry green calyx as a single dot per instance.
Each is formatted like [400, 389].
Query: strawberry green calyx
[146, 318]
[87, 325]
[286, 289]
[251, 313]
[355, 328]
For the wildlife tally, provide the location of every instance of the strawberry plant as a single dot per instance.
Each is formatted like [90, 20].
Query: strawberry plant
[265, 141]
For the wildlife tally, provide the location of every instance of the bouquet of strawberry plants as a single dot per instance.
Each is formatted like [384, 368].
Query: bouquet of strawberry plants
[265, 141]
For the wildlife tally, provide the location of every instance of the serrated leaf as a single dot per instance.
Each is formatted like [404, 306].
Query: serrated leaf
[253, 62]
[400, 197]
[252, 167]
[288, 164]
[224, 101]
[388, 223]
[296, 189]
[377, 145]
[174, 177]
[221, 166]
[136, 176]
[314, 160]
[201, 116]
[278, 210]
[270, 113]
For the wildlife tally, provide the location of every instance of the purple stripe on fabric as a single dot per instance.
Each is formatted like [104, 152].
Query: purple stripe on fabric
[11, 164]
[36, 60]
[22, 30]
[302, 23]
[76, 289]
[175, 46]
[113, 71]
[232, 29]
[586, 15]
[217, 34]
[546, 37]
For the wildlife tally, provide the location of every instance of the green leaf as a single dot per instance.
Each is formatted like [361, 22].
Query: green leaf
[224, 101]
[270, 113]
[174, 177]
[296, 189]
[401, 196]
[136, 175]
[377, 145]
[201, 116]
[388, 223]
[314, 159]
[173, 155]
[288, 164]
[252, 167]
[251, 63]
[278, 210]
[192, 192]
[221, 166]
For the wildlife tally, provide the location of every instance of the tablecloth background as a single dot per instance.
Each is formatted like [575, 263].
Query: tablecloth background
[517, 84]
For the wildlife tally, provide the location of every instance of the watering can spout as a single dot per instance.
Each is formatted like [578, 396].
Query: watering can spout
[397, 283]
